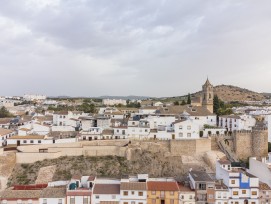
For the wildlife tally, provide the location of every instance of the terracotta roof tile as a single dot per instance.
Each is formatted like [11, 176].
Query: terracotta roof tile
[162, 186]
[106, 189]
[137, 186]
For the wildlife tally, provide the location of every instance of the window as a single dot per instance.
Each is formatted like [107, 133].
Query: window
[25, 141]
[133, 192]
[211, 196]
[188, 134]
[31, 141]
[113, 196]
[97, 197]
[133, 202]
[235, 192]
[189, 127]
[44, 201]
[171, 192]
[72, 200]
[39, 141]
[171, 201]
[254, 192]
[125, 203]
[85, 200]
[153, 193]
[125, 193]
[232, 181]
[140, 193]
[190, 197]
[153, 201]
[181, 127]
[59, 201]
[146, 130]
[202, 186]
[180, 134]
[244, 191]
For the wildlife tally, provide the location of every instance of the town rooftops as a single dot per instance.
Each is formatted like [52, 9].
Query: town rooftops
[231, 116]
[106, 189]
[108, 132]
[32, 137]
[61, 112]
[137, 186]
[264, 186]
[184, 188]
[4, 131]
[53, 193]
[162, 186]
[191, 110]
[5, 120]
[224, 162]
[20, 194]
[200, 176]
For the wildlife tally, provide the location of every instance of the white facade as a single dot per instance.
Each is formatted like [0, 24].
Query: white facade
[105, 194]
[242, 186]
[186, 130]
[4, 135]
[34, 128]
[232, 122]
[112, 102]
[269, 127]
[261, 169]
[32, 97]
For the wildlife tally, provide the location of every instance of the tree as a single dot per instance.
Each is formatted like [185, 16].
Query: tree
[4, 113]
[176, 103]
[183, 103]
[216, 104]
[189, 99]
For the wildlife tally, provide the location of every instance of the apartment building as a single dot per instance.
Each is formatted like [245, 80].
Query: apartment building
[162, 192]
[243, 186]
[203, 185]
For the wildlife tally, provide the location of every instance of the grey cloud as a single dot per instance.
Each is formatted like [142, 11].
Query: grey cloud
[155, 47]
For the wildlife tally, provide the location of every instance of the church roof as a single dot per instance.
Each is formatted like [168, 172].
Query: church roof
[207, 83]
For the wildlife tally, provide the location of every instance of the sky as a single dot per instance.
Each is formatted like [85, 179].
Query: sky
[133, 47]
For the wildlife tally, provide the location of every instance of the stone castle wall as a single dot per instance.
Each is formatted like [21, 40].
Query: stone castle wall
[260, 143]
[242, 144]
[250, 143]
[189, 147]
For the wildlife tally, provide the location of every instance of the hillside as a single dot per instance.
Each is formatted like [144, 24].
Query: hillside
[234, 93]
[227, 93]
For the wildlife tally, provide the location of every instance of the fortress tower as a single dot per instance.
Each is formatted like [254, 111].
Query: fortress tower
[208, 96]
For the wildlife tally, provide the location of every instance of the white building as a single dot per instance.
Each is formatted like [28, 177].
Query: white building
[269, 127]
[186, 129]
[80, 189]
[4, 135]
[53, 196]
[138, 129]
[105, 191]
[235, 122]
[133, 191]
[34, 128]
[113, 102]
[33, 97]
[186, 195]
[243, 186]
[261, 169]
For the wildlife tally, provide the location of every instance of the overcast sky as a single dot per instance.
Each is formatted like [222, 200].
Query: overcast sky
[133, 47]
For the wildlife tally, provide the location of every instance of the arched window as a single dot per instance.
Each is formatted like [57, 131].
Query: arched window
[210, 96]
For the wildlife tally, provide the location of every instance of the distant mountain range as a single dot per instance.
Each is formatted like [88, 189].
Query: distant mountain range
[126, 97]
[224, 92]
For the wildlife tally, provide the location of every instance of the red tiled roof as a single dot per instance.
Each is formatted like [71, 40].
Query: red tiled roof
[162, 186]
[78, 193]
[106, 189]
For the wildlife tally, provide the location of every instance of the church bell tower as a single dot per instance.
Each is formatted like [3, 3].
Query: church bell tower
[208, 96]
